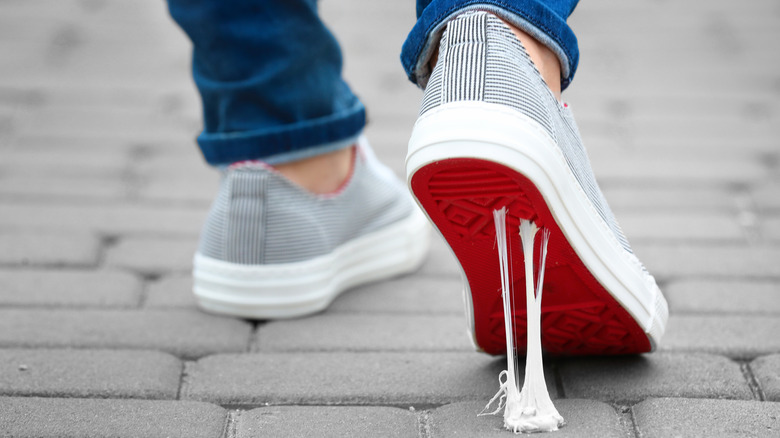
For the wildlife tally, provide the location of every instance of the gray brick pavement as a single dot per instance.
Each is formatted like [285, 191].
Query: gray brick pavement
[723, 297]
[386, 378]
[416, 294]
[111, 219]
[766, 197]
[634, 378]
[59, 417]
[666, 226]
[89, 373]
[103, 193]
[48, 250]
[186, 334]
[365, 332]
[767, 373]
[153, 255]
[170, 291]
[326, 421]
[71, 288]
[584, 418]
[709, 260]
[736, 336]
[706, 418]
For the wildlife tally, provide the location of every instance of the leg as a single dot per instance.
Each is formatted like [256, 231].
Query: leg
[301, 215]
[492, 134]
[269, 74]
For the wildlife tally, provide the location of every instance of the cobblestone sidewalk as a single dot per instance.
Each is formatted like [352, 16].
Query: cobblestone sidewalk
[102, 194]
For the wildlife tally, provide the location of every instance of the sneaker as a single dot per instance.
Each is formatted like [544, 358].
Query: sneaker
[491, 134]
[270, 249]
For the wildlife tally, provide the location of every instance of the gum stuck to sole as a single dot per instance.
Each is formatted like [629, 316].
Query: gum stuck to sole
[579, 316]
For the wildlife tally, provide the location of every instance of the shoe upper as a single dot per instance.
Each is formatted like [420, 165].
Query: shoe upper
[481, 59]
[260, 217]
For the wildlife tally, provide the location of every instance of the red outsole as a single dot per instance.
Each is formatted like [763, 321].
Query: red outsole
[579, 316]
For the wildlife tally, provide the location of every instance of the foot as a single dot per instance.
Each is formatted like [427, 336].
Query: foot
[272, 249]
[491, 134]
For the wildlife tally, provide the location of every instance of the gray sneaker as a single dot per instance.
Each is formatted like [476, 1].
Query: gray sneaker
[492, 135]
[270, 249]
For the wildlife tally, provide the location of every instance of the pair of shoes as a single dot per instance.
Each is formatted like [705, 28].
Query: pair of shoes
[270, 249]
[490, 135]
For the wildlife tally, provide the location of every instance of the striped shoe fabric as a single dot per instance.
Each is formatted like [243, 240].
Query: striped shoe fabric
[490, 135]
[270, 249]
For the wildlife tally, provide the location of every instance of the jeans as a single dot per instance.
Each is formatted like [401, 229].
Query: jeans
[269, 71]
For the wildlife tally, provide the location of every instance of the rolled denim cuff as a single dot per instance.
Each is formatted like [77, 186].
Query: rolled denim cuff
[556, 34]
[286, 143]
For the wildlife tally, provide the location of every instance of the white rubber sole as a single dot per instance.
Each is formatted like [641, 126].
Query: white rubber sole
[302, 288]
[496, 133]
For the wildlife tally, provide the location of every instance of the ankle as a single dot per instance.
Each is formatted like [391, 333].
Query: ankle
[320, 174]
[544, 59]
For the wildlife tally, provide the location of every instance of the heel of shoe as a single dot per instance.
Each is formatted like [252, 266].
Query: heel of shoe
[288, 290]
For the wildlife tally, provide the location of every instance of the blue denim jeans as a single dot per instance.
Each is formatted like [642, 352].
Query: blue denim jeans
[269, 71]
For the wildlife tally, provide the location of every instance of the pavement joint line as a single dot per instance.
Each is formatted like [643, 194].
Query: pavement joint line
[105, 243]
[424, 424]
[252, 345]
[231, 424]
[147, 279]
[752, 382]
[422, 407]
[184, 377]
[630, 417]
[53, 265]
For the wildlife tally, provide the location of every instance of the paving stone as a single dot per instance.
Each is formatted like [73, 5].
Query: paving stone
[706, 418]
[374, 378]
[326, 421]
[28, 249]
[87, 122]
[767, 372]
[171, 291]
[55, 288]
[639, 197]
[89, 373]
[103, 158]
[381, 332]
[186, 334]
[766, 197]
[633, 378]
[440, 261]
[195, 186]
[408, 294]
[738, 337]
[678, 170]
[771, 228]
[681, 227]
[153, 255]
[584, 418]
[61, 188]
[56, 417]
[710, 260]
[104, 218]
[724, 296]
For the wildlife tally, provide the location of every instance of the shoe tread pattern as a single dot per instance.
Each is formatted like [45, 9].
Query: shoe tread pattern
[579, 317]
